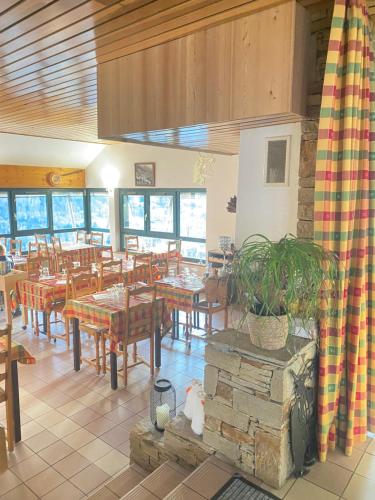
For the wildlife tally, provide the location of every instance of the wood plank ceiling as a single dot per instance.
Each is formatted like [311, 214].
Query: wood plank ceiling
[49, 51]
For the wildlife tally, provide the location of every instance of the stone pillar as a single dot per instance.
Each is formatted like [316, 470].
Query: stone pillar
[250, 392]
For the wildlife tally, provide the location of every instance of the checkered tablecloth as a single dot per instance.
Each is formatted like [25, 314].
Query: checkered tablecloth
[83, 253]
[40, 295]
[179, 292]
[106, 310]
[19, 353]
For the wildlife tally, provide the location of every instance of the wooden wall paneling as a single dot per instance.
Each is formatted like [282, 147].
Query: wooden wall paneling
[15, 176]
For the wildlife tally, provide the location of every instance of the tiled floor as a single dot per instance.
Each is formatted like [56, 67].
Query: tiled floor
[75, 429]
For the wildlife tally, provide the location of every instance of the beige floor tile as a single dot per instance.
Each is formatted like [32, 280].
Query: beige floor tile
[116, 436]
[90, 398]
[182, 492]
[338, 457]
[103, 406]
[126, 480]
[8, 481]
[21, 492]
[103, 494]
[66, 491]
[71, 408]
[46, 481]
[359, 488]
[21, 452]
[41, 440]
[95, 449]
[100, 425]
[366, 466]
[113, 462]
[70, 465]
[364, 445]
[64, 428]
[119, 415]
[371, 447]
[85, 416]
[124, 448]
[207, 479]
[50, 418]
[38, 409]
[56, 452]
[304, 490]
[89, 479]
[30, 429]
[29, 467]
[321, 474]
[79, 438]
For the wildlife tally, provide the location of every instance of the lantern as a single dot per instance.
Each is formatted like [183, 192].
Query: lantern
[162, 403]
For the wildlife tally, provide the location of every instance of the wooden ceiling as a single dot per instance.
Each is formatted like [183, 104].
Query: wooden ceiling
[49, 51]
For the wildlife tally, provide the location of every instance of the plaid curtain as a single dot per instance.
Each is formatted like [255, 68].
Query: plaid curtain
[344, 223]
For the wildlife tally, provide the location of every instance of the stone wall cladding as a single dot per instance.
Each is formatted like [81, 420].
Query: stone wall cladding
[251, 426]
[321, 15]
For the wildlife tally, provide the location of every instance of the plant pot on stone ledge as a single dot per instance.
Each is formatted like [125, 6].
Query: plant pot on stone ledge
[279, 282]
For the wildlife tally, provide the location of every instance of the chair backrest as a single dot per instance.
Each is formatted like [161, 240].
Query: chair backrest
[140, 325]
[144, 259]
[33, 266]
[115, 268]
[140, 273]
[83, 284]
[56, 244]
[81, 236]
[103, 254]
[6, 333]
[216, 289]
[174, 247]
[96, 238]
[15, 247]
[131, 242]
[70, 272]
[41, 238]
[33, 249]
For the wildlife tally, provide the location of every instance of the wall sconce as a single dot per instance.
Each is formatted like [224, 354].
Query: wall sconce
[110, 176]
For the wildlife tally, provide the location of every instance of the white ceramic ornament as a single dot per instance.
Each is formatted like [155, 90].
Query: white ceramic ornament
[197, 422]
[191, 397]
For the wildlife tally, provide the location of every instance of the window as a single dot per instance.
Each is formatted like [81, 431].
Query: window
[277, 161]
[4, 214]
[68, 210]
[161, 215]
[99, 213]
[31, 211]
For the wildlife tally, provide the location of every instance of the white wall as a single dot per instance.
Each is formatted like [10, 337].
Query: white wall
[270, 210]
[174, 169]
[43, 152]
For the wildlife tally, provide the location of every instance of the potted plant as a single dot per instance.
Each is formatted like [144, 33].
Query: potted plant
[280, 281]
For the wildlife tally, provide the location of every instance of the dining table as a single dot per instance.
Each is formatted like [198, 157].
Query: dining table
[107, 310]
[181, 293]
[19, 354]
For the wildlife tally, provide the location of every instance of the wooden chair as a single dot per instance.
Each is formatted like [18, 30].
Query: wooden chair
[140, 274]
[137, 329]
[33, 249]
[41, 238]
[15, 247]
[216, 300]
[81, 285]
[6, 394]
[114, 267]
[46, 256]
[81, 236]
[131, 244]
[33, 266]
[103, 255]
[56, 244]
[145, 259]
[96, 238]
[174, 254]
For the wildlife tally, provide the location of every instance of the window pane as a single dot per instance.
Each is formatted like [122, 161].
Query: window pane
[25, 241]
[68, 210]
[193, 215]
[4, 214]
[153, 244]
[99, 208]
[31, 211]
[68, 237]
[193, 250]
[134, 211]
[161, 213]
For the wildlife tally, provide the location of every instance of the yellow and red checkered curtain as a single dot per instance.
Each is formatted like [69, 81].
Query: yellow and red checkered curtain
[344, 223]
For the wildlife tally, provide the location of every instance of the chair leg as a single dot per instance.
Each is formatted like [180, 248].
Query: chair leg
[226, 317]
[97, 353]
[125, 363]
[67, 333]
[9, 416]
[209, 327]
[104, 359]
[135, 352]
[48, 332]
[36, 324]
[152, 352]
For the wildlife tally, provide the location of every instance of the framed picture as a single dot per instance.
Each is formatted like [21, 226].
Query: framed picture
[144, 174]
[276, 171]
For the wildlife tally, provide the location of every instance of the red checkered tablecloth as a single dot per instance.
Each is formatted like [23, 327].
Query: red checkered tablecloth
[19, 353]
[179, 291]
[40, 295]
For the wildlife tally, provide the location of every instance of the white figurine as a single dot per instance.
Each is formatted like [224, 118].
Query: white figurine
[197, 422]
[191, 397]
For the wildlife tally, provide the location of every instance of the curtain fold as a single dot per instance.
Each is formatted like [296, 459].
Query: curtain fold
[344, 223]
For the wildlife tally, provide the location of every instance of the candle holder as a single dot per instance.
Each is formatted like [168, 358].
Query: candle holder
[162, 403]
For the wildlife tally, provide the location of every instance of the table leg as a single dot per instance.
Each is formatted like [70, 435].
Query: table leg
[8, 307]
[113, 362]
[173, 324]
[16, 402]
[76, 345]
[25, 317]
[157, 347]
[45, 323]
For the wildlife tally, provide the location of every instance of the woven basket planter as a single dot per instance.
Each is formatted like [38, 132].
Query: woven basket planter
[267, 332]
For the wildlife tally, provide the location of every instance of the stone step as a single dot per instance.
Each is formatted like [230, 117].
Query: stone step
[159, 483]
[121, 484]
[204, 482]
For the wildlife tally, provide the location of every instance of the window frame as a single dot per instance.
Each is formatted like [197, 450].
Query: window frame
[10, 214]
[89, 191]
[176, 215]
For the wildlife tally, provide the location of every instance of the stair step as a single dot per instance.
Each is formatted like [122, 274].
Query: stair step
[121, 484]
[204, 482]
[159, 483]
